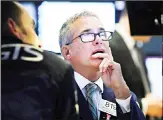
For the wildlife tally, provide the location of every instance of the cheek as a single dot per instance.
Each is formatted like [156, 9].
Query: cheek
[86, 50]
[80, 51]
[77, 50]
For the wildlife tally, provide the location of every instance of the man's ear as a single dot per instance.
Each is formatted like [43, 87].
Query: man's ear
[13, 28]
[66, 52]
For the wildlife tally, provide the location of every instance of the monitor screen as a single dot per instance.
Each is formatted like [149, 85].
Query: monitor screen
[154, 67]
[145, 17]
[53, 14]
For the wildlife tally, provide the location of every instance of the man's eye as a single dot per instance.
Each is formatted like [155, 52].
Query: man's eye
[87, 34]
[102, 34]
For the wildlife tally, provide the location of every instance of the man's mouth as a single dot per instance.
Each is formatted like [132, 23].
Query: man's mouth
[98, 51]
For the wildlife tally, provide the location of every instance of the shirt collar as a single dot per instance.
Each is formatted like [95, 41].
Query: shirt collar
[82, 81]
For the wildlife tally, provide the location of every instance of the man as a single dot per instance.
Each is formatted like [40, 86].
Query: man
[36, 84]
[84, 44]
[134, 70]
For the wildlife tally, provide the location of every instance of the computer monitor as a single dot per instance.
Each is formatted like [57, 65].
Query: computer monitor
[145, 17]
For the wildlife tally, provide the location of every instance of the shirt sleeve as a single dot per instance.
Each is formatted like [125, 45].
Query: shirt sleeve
[124, 104]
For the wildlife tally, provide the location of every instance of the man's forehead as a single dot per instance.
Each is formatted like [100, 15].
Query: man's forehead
[88, 20]
[87, 24]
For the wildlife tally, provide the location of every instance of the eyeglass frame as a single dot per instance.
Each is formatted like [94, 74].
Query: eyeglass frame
[95, 34]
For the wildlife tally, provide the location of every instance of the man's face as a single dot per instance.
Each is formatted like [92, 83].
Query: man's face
[27, 29]
[81, 53]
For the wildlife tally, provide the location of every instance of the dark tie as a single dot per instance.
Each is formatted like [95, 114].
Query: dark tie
[92, 93]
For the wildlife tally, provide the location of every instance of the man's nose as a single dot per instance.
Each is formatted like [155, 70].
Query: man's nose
[97, 40]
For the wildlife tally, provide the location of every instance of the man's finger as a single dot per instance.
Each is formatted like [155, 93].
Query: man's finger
[102, 64]
[100, 55]
[108, 66]
[105, 65]
[110, 55]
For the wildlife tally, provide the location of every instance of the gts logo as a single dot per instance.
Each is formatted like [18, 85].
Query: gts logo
[21, 52]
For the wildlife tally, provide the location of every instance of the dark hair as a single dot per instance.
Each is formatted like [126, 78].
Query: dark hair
[9, 9]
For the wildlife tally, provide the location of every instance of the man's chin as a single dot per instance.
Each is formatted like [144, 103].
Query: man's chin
[96, 63]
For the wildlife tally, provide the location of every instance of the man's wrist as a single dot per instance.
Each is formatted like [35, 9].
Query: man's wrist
[122, 93]
[124, 104]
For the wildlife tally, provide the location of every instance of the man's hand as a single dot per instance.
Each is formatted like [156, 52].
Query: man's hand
[112, 76]
[154, 106]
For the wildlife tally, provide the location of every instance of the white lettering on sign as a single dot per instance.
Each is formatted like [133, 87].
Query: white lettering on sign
[15, 53]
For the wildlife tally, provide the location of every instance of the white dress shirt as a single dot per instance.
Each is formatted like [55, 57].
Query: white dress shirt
[82, 82]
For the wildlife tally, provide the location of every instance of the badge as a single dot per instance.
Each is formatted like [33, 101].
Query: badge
[107, 107]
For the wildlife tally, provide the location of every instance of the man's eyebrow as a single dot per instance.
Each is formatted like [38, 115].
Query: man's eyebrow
[101, 29]
[86, 30]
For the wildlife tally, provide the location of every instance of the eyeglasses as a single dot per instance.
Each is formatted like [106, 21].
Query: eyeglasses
[89, 37]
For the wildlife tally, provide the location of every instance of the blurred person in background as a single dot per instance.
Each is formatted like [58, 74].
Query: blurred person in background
[35, 84]
[84, 44]
[126, 50]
